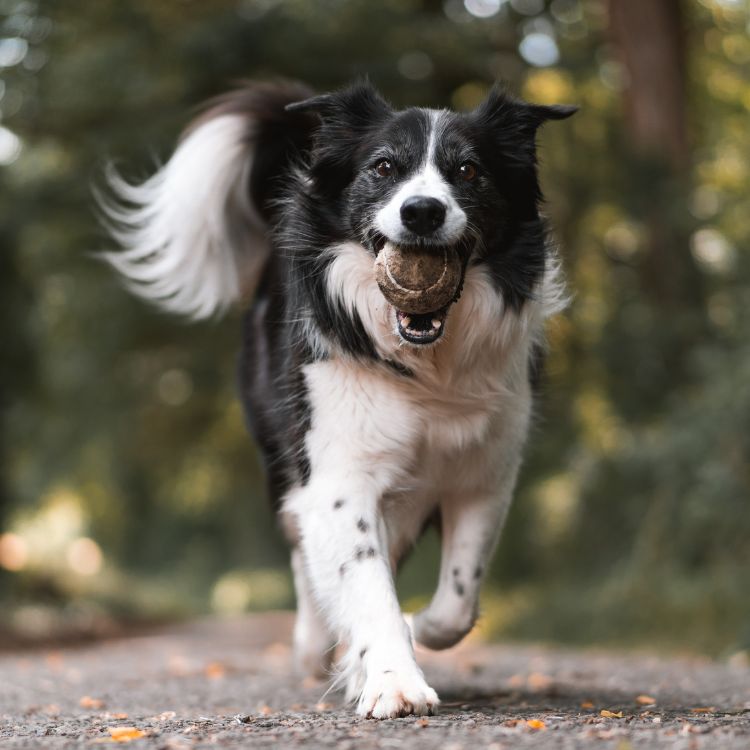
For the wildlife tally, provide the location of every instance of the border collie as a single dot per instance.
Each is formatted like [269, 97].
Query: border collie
[375, 422]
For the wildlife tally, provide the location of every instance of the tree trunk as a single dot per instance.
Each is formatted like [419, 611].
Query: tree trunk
[650, 39]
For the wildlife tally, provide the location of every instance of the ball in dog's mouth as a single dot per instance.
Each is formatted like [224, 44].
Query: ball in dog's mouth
[420, 283]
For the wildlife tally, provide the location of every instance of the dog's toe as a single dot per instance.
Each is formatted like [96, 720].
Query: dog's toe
[391, 694]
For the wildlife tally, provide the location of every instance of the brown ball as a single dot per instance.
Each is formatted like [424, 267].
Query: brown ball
[418, 280]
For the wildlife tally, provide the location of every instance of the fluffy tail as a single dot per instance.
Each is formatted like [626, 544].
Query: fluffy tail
[194, 236]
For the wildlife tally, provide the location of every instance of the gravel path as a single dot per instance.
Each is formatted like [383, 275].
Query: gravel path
[228, 684]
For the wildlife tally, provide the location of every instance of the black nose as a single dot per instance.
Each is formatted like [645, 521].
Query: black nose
[422, 215]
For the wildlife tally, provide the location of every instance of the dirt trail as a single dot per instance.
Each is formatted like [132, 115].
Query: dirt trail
[227, 684]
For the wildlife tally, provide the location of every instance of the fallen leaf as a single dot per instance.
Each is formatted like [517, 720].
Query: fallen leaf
[422, 723]
[276, 650]
[215, 670]
[516, 681]
[178, 665]
[645, 700]
[125, 734]
[323, 706]
[703, 710]
[610, 714]
[54, 660]
[538, 681]
[587, 705]
[265, 710]
[88, 702]
[535, 724]
[118, 716]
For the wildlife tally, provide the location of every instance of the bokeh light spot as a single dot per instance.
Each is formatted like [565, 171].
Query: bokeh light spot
[10, 146]
[14, 552]
[416, 65]
[175, 387]
[12, 51]
[84, 556]
[539, 49]
[483, 8]
[712, 250]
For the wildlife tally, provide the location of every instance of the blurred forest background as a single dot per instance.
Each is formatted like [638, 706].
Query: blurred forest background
[128, 488]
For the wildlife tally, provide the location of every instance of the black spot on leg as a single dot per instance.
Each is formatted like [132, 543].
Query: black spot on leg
[342, 569]
[360, 553]
[387, 671]
[362, 525]
[456, 571]
[478, 573]
[338, 504]
[362, 653]
[458, 587]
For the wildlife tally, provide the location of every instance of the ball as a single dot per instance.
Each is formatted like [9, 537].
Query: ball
[418, 280]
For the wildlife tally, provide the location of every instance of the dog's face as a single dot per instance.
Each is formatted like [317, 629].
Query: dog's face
[433, 185]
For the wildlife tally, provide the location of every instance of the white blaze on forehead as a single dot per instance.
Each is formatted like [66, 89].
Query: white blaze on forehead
[428, 182]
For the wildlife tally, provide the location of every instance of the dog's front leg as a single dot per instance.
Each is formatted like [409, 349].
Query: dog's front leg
[470, 528]
[345, 547]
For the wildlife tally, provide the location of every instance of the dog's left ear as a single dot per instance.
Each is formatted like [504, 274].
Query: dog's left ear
[354, 108]
[543, 112]
[500, 109]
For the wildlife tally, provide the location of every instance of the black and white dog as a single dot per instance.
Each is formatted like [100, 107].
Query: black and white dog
[374, 422]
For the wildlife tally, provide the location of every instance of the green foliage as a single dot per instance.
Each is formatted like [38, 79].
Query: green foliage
[120, 425]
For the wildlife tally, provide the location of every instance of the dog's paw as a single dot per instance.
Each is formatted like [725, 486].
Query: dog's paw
[390, 694]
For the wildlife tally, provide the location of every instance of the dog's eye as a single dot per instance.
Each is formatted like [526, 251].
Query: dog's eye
[384, 168]
[467, 171]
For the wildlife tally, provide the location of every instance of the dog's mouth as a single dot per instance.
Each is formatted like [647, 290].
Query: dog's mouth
[424, 328]
[421, 283]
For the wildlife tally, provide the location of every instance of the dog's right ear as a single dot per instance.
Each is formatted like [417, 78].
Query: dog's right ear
[351, 109]
[346, 117]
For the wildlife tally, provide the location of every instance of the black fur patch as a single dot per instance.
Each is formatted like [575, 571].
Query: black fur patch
[399, 368]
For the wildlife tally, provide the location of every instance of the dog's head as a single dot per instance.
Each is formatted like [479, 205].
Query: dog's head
[426, 191]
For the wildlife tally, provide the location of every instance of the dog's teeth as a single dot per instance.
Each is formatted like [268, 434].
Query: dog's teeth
[406, 321]
[436, 323]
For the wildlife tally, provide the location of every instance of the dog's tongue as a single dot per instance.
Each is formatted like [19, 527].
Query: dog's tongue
[418, 280]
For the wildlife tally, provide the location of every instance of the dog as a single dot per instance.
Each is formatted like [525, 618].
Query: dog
[375, 422]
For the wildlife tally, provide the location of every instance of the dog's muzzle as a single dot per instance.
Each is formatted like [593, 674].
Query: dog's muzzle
[420, 283]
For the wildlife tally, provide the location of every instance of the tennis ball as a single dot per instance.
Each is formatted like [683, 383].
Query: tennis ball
[418, 280]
